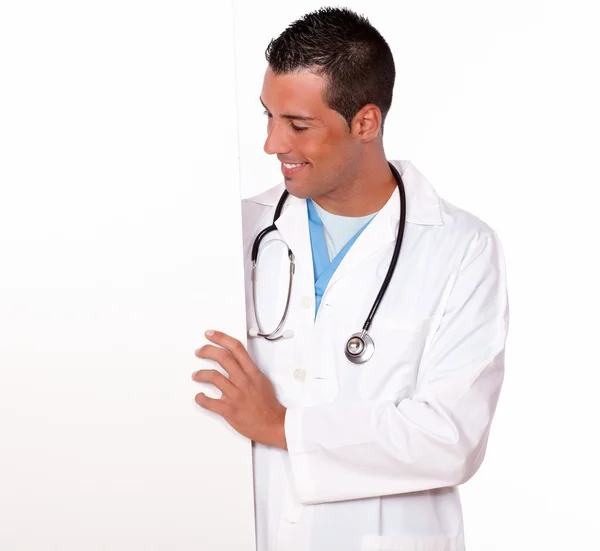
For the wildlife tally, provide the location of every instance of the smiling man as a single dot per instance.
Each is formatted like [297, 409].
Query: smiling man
[360, 437]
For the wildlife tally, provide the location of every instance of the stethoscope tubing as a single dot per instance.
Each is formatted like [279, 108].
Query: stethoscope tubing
[396, 253]
[364, 338]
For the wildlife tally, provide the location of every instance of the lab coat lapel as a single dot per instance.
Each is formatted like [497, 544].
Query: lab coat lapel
[379, 233]
[293, 228]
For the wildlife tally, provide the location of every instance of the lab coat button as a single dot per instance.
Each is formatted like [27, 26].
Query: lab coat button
[306, 302]
[300, 375]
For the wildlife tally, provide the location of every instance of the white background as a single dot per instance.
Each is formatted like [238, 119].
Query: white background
[120, 244]
[497, 104]
[117, 141]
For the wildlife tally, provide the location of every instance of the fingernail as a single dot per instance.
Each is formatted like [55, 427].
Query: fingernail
[209, 333]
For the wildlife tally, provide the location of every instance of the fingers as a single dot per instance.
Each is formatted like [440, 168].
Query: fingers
[225, 360]
[211, 404]
[235, 348]
[217, 379]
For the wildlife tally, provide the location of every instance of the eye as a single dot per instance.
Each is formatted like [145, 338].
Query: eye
[299, 128]
[267, 113]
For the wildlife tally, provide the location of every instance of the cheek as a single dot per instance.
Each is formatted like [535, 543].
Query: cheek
[325, 149]
[339, 155]
[312, 147]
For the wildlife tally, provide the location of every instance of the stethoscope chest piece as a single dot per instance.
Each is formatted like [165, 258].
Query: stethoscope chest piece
[360, 348]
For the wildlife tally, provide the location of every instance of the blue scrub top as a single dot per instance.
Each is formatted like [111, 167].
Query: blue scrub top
[324, 268]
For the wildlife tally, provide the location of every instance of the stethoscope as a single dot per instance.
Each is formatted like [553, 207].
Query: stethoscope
[360, 346]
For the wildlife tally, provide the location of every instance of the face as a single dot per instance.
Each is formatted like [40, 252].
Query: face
[319, 155]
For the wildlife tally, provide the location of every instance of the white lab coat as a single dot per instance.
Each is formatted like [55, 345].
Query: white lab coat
[376, 451]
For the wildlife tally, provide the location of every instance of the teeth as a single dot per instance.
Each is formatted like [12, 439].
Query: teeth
[289, 165]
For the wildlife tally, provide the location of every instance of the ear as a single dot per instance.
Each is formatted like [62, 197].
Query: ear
[366, 124]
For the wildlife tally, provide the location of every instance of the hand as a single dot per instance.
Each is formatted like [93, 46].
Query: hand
[248, 402]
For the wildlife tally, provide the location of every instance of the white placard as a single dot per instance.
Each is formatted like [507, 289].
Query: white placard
[120, 244]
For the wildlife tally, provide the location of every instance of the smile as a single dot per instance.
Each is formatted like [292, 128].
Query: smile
[292, 168]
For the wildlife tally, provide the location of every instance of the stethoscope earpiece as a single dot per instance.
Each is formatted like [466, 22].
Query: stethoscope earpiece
[254, 332]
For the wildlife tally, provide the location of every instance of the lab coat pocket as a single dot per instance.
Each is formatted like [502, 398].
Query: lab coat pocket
[391, 373]
[407, 543]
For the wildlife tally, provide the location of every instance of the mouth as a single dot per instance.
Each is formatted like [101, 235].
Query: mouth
[289, 169]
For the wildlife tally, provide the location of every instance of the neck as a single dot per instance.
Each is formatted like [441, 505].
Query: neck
[366, 191]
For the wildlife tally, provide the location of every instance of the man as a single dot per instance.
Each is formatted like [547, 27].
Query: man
[358, 456]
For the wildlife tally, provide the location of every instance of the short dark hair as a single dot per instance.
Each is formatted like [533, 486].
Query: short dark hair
[346, 50]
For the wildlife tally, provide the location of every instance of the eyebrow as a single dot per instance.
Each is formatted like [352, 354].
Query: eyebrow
[290, 116]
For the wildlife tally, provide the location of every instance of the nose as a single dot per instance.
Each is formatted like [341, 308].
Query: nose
[277, 142]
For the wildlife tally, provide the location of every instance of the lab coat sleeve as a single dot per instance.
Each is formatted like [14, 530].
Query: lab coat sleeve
[437, 437]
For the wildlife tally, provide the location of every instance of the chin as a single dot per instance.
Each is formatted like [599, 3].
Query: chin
[298, 190]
